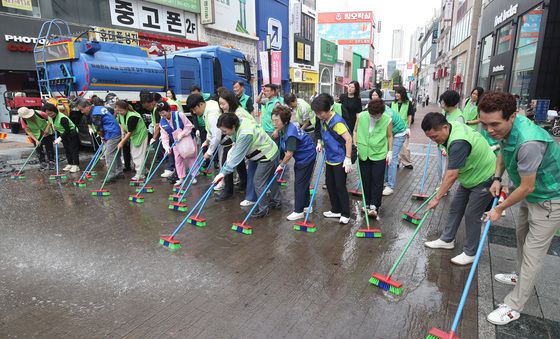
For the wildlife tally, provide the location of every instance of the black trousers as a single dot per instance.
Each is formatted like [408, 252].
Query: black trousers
[228, 179]
[71, 144]
[127, 156]
[336, 186]
[302, 180]
[46, 145]
[373, 174]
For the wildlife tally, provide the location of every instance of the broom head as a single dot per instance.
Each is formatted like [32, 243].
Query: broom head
[355, 193]
[147, 189]
[135, 198]
[178, 190]
[80, 183]
[436, 333]
[17, 176]
[411, 217]
[100, 193]
[92, 173]
[368, 233]
[177, 198]
[304, 226]
[136, 183]
[89, 177]
[57, 177]
[420, 196]
[282, 182]
[206, 173]
[169, 242]
[242, 228]
[311, 188]
[177, 206]
[386, 283]
[197, 221]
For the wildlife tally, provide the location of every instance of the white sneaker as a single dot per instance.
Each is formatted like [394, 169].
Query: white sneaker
[295, 216]
[438, 243]
[308, 208]
[344, 220]
[74, 169]
[507, 278]
[167, 173]
[330, 214]
[135, 178]
[463, 259]
[194, 181]
[387, 191]
[67, 168]
[502, 315]
[219, 186]
[178, 182]
[246, 203]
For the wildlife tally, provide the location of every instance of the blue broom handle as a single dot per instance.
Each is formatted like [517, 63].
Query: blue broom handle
[33, 152]
[323, 159]
[260, 197]
[95, 155]
[191, 169]
[155, 169]
[204, 201]
[426, 166]
[102, 146]
[192, 211]
[473, 271]
[198, 166]
[56, 150]
[109, 170]
[154, 158]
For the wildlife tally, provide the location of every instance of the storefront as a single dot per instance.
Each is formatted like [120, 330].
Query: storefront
[304, 82]
[517, 51]
[329, 54]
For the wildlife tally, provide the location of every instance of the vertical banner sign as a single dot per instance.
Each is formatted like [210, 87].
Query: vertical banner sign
[207, 12]
[24, 5]
[296, 17]
[264, 67]
[276, 62]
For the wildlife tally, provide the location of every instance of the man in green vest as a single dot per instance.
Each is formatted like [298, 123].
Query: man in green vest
[271, 93]
[244, 100]
[449, 101]
[67, 133]
[471, 163]
[305, 116]
[531, 158]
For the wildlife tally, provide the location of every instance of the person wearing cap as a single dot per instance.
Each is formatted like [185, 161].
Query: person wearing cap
[531, 158]
[109, 130]
[36, 125]
[67, 133]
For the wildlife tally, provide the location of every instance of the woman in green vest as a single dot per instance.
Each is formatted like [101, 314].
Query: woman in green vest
[405, 110]
[173, 102]
[373, 134]
[470, 111]
[36, 126]
[134, 129]
[68, 134]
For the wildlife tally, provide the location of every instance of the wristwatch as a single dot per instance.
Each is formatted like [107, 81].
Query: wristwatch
[494, 178]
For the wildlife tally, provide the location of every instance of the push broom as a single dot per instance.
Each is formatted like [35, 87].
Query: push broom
[145, 188]
[366, 232]
[57, 175]
[283, 183]
[91, 173]
[199, 167]
[242, 227]
[19, 174]
[154, 159]
[207, 172]
[101, 192]
[140, 182]
[422, 195]
[169, 241]
[436, 333]
[177, 200]
[385, 281]
[197, 220]
[80, 182]
[413, 217]
[305, 225]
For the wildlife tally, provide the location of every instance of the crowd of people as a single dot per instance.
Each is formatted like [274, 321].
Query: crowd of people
[476, 145]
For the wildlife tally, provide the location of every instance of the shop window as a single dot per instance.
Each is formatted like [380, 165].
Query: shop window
[29, 8]
[84, 12]
[498, 83]
[484, 64]
[239, 67]
[525, 54]
[505, 37]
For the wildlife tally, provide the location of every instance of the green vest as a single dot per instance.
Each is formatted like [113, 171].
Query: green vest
[58, 126]
[453, 116]
[372, 145]
[398, 123]
[301, 106]
[547, 184]
[481, 162]
[337, 108]
[266, 117]
[36, 125]
[243, 114]
[403, 112]
[243, 100]
[470, 112]
[261, 141]
[140, 132]
[491, 142]
[212, 109]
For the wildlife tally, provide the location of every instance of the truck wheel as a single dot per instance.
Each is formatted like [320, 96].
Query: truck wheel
[556, 131]
[15, 128]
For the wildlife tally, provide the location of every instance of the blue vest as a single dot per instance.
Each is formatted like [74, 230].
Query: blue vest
[305, 150]
[334, 144]
[176, 122]
[111, 128]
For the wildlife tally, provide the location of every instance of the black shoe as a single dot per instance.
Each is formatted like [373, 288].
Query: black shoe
[127, 169]
[275, 205]
[260, 214]
[223, 197]
[408, 167]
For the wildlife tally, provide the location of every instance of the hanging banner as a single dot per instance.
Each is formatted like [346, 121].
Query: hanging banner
[264, 67]
[234, 17]
[276, 63]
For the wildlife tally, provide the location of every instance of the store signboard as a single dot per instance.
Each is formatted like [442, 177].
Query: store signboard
[235, 17]
[24, 5]
[119, 36]
[329, 52]
[185, 5]
[207, 12]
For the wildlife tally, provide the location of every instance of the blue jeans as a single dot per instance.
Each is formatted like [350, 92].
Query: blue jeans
[250, 193]
[391, 173]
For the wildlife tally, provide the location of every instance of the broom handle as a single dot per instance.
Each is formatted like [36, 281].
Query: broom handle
[191, 169]
[396, 264]
[109, 170]
[473, 271]
[192, 211]
[323, 159]
[426, 201]
[198, 167]
[56, 151]
[155, 156]
[363, 194]
[93, 159]
[204, 201]
[155, 169]
[102, 146]
[30, 155]
[141, 171]
[260, 198]
[426, 166]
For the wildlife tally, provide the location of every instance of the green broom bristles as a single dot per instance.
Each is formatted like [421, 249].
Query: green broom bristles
[362, 234]
[101, 194]
[58, 177]
[307, 229]
[243, 230]
[146, 189]
[135, 199]
[178, 208]
[169, 245]
[199, 223]
[385, 286]
[18, 177]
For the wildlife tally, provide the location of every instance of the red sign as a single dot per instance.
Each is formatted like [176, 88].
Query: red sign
[276, 67]
[345, 17]
[156, 43]
[14, 47]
